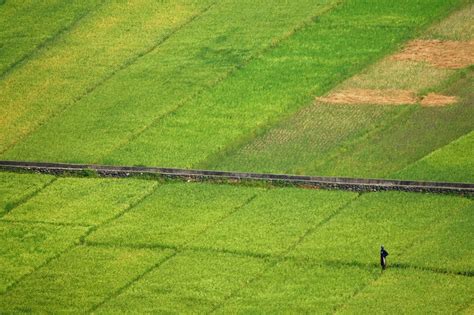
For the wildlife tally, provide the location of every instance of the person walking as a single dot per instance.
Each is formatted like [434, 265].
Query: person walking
[383, 259]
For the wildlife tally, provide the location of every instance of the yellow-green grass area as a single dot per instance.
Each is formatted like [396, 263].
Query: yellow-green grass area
[16, 188]
[79, 201]
[210, 41]
[368, 140]
[452, 162]
[25, 247]
[27, 26]
[151, 113]
[107, 40]
[401, 291]
[203, 247]
[90, 274]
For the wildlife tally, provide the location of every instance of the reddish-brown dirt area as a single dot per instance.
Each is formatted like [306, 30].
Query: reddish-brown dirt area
[443, 54]
[434, 99]
[368, 96]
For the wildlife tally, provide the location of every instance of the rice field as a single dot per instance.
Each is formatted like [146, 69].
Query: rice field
[237, 97]
[129, 245]
[240, 86]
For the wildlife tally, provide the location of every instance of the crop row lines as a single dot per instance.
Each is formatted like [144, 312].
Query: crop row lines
[50, 40]
[36, 222]
[131, 282]
[40, 266]
[275, 262]
[395, 265]
[272, 45]
[81, 239]
[126, 64]
[25, 198]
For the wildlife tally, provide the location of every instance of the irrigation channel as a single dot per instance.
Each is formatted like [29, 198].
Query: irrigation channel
[353, 184]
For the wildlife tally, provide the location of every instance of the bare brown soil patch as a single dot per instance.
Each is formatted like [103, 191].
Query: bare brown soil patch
[434, 99]
[367, 96]
[444, 54]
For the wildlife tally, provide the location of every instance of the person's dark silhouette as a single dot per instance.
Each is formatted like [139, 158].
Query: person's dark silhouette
[383, 255]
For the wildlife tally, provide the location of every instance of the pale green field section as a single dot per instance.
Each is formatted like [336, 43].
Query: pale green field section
[20, 41]
[15, 188]
[134, 245]
[191, 282]
[404, 220]
[93, 274]
[407, 292]
[25, 247]
[457, 26]
[174, 215]
[81, 201]
[304, 140]
[274, 221]
[447, 245]
[414, 134]
[108, 40]
[295, 287]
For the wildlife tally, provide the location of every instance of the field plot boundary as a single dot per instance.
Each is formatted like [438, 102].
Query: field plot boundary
[344, 183]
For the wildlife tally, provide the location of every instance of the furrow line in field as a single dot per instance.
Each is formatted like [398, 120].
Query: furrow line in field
[249, 254]
[284, 255]
[45, 263]
[131, 282]
[465, 307]
[218, 81]
[321, 224]
[223, 218]
[28, 197]
[109, 76]
[401, 266]
[49, 40]
[64, 224]
[376, 129]
[81, 240]
[119, 214]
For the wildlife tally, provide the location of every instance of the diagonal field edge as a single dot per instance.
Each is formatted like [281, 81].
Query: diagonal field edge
[344, 183]
[49, 40]
[107, 77]
[226, 75]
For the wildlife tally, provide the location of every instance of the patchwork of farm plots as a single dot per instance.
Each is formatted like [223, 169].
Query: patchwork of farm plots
[247, 86]
[230, 85]
[117, 245]
[357, 130]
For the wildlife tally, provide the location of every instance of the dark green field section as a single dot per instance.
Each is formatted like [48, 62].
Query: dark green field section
[121, 245]
[228, 85]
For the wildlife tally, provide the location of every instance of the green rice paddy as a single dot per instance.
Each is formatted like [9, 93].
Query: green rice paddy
[185, 93]
[231, 85]
[129, 245]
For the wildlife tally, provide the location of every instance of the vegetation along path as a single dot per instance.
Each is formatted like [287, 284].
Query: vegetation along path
[356, 184]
